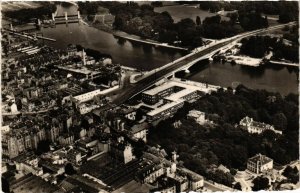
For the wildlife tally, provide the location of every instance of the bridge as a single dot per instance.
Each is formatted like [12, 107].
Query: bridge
[66, 18]
[168, 70]
[33, 37]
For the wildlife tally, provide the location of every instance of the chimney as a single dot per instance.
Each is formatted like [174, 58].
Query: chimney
[83, 57]
[174, 156]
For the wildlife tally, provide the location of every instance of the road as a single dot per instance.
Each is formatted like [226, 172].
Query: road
[211, 187]
[132, 89]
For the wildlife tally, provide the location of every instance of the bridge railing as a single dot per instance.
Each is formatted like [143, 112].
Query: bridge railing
[135, 79]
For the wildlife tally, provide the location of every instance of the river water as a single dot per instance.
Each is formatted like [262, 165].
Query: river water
[146, 57]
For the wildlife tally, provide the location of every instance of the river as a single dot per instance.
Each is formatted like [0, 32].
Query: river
[146, 57]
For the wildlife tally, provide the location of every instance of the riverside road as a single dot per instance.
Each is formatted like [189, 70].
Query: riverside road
[131, 90]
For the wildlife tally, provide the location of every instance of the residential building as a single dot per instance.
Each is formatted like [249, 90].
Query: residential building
[139, 131]
[122, 151]
[150, 173]
[66, 139]
[259, 163]
[165, 185]
[197, 116]
[256, 127]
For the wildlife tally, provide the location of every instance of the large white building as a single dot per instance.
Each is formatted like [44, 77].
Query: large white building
[259, 163]
[256, 127]
[172, 94]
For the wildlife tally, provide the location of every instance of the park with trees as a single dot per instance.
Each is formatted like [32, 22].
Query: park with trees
[259, 46]
[202, 146]
[26, 15]
[143, 21]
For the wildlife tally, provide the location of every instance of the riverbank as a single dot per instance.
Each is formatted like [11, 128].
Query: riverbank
[147, 41]
[130, 37]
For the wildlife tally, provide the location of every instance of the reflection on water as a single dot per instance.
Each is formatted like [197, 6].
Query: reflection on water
[272, 78]
[128, 53]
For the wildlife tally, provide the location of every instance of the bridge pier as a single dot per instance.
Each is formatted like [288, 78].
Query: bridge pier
[39, 22]
[66, 16]
[53, 17]
[78, 15]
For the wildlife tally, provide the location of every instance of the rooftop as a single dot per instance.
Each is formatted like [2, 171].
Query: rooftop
[260, 158]
[164, 107]
[187, 85]
[158, 89]
[180, 94]
[139, 127]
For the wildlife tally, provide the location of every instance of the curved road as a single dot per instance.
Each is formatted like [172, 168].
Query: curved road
[132, 89]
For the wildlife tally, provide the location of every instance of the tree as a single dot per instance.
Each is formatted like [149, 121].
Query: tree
[43, 147]
[69, 169]
[233, 17]
[156, 3]
[120, 21]
[139, 148]
[260, 183]
[292, 174]
[280, 121]
[198, 20]
[237, 186]
[5, 185]
[163, 21]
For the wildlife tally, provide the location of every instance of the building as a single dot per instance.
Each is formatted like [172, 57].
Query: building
[139, 131]
[165, 110]
[259, 163]
[122, 151]
[28, 163]
[86, 108]
[167, 98]
[223, 169]
[90, 95]
[165, 185]
[256, 127]
[150, 173]
[152, 96]
[197, 116]
[21, 140]
[66, 139]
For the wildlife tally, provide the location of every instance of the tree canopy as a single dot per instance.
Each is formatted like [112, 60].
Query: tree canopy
[260, 183]
[200, 146]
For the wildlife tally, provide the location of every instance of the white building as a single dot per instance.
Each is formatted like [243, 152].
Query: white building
[173, 94]
[198, 116]
[140, 131]
[89, 95]
[259, 163]
[14, 108]
[5, 129]
[256, 127]
[84, 108]
[128, 154]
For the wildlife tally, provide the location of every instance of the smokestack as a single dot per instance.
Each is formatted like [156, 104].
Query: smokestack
[83, 57]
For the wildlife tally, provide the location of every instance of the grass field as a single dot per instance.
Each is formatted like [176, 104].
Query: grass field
[8, 6]
[179, 12]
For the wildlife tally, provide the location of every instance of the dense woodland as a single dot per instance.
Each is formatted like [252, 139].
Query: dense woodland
[200, 147]
[27, 15]
[143, 21]
[287, 10]
[259, 46]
